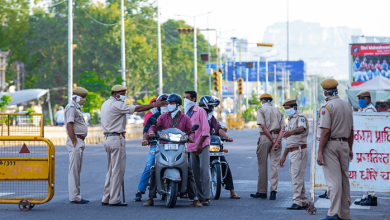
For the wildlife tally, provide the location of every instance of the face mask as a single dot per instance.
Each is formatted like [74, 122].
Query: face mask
[173, 109]
[154, 110]
[163, 109]
[188, 104]
[82, 101]
[79, 101]
[323, 93]
[363, 103]
[210, 115]
[290, 112]
[122, 98]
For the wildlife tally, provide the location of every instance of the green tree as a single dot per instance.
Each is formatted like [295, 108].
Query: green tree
[4, 100]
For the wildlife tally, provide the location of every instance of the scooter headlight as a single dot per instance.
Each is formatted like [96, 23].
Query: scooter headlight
[214, 148]
[174, 137]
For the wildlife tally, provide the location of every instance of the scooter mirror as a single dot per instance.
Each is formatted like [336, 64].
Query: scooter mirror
[195, 127]
[152, 121]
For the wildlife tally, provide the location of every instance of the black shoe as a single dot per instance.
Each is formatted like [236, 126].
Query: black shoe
[82, 201]
[323, 196]
[273, 195]
[331, 218]
[259, 195]
[103, 203]
[305, 206]
[138, 197]
[295, 207]
[359, 201]
[371, 201]
[118, 204]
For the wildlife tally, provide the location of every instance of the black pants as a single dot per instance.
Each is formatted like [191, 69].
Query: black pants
[190, 184]
[229, 178]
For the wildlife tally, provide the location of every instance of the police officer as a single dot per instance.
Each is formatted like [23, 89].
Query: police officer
[368, 198]
[336, 130]
[113, 118]
[271, 121]
[297, 130]
[77, 130]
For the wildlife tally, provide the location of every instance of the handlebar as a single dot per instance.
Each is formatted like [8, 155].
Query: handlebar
[224, 139]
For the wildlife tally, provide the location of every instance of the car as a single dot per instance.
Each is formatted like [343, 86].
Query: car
[130, 119]
[138, 119]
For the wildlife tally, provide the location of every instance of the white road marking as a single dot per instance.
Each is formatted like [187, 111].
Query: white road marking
[4, 194]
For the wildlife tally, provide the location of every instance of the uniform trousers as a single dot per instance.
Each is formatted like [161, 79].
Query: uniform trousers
[335, 158]
[264, 148]
[75, 162]
[116, 156]
[298, 160]
[201, 166]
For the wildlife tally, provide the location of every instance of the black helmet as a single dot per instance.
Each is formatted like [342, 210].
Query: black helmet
[162, 97]
[206, 101]
[175, 98]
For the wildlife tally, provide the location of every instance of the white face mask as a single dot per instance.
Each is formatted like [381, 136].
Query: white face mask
[323, 93]
[210, 115]
[290, 112]
[188, 104]
[122, 98]
[154, 110]
[173, 109]
[163, 109]
[78, 98]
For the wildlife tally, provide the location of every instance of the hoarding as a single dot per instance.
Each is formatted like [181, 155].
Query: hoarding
[368, 61]
[369, 169]
[296, 69]
[228, 89]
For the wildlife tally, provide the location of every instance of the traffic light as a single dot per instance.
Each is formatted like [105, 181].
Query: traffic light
[217, 81]
[240, 88]
[185, 30]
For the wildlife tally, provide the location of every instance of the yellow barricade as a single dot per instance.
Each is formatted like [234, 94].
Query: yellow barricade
[27, 161]
[235, 121]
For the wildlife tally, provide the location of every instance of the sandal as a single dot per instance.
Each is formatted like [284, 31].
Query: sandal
[235, 196]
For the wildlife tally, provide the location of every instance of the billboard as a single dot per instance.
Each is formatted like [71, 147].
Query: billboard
[228, 89]
[368, 61]
[296, 68]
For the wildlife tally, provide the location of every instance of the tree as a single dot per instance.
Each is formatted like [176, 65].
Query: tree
[4, 100]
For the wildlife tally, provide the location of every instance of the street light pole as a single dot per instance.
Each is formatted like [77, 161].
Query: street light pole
[195, 62]
[208, 51]
[70, 50]
[123, 70]
[160, 81]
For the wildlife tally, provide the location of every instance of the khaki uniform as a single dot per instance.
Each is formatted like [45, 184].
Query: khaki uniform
[113, 114]
[298, 158]
[336, 115]
[368, 108]
[273, 119]
[73, 114]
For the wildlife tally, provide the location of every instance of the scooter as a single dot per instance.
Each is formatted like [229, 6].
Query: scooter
[217, 166]
[171, 166]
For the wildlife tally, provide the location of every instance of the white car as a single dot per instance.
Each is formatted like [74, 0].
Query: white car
[138, 120]
[130, 119]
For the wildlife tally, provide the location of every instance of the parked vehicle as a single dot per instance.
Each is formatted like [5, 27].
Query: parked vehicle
[171, 166]
[217, 166]
[138, 120]
[130, 119]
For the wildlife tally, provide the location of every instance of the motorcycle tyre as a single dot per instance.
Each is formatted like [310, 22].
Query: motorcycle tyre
[218, 173]
[170, 201]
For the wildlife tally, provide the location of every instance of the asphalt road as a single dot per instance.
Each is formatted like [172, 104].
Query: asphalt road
[242, 160]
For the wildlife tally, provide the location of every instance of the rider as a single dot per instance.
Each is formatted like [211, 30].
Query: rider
[176, 119]
[208, 103]
[143, 182]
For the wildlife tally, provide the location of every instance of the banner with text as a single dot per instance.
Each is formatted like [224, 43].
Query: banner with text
[368, 61]
[369, 169]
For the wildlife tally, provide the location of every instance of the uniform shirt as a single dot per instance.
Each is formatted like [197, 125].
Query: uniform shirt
[73, 114]
[199, 116]
[165, 121]
[113, 114]
[60, 116]
[271, 117]
[369, 108]
[340, 122]
[295, 121]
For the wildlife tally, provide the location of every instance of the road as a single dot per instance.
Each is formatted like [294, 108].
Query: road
[242, 160]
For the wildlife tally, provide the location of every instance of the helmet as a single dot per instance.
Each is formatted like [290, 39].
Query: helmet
[207, 101]
[175, 98]
[153, 100]
[162, 97]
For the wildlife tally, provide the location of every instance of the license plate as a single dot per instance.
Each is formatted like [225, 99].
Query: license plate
[218, 154]
[171, 146]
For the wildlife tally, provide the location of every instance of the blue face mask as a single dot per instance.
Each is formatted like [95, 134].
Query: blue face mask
[363, 103]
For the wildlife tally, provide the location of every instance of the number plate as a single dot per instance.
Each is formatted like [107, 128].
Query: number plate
[219, 154]
[171, 146]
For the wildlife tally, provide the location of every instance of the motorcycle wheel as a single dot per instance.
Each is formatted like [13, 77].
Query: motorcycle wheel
[171, 196]
[215, 181]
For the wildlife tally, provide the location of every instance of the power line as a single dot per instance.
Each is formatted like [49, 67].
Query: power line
[99, 21]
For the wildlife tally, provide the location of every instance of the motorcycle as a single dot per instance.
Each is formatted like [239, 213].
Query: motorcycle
[171, 165]
[217, 166]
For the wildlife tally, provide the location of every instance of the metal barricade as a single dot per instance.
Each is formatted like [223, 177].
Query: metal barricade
[27, 161]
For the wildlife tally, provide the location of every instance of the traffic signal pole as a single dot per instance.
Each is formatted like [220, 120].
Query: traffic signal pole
[195, 62]
[70, 51]
[123, 63]
[160, 81]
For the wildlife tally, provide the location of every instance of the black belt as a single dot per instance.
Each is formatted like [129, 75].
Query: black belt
[114, 134]
[338, 139]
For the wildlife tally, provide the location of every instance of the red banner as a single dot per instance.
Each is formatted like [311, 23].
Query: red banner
[370, 49]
